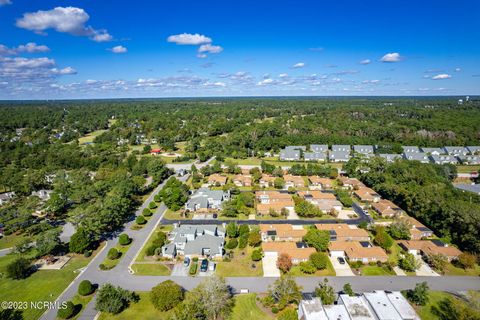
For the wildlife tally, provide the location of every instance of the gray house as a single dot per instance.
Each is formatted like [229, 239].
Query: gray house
[205, 199]
[319, 147]
[443, 159]
[410, 149]
[315, 156]
[363, 149]
[339, 156]
[455, 151]
[417, 156]
[195, 241]
[6, 197]
[42, 194]
[433, 151]
[341, 148]
[292, 153]
[390, 157]
[473, 149]
[469, 159]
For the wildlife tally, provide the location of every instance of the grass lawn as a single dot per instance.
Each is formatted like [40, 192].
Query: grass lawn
[174, 215]
[141, 255]
[246, 308]
[10, 241]
[395, 250]
[43, 285]
[151, 269]
[452, 270]
[80, 302]
[425, 312]
[142, 310]
[112, 263]
[240, 265]
[329, 271]
[375, 271]
[248, 161]
[90, 137]
[468, 169]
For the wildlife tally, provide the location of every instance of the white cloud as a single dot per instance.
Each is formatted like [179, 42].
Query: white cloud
[298, 65]
[370, 81]
[64, 71]
[118, 49]
[458, 69]
[5, 2]
[365, 61]
[441, 76]
[391, 57]
[69, 20]
[201, 55]
[283, 75]
[30, 47]
[189, 39]
[209, 48]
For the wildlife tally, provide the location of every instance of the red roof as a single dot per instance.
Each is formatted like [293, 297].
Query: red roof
[155, 150]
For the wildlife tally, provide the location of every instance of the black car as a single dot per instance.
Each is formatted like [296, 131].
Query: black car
[341, 260]
[204, 265]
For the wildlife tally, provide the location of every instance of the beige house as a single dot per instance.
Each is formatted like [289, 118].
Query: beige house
[344, 232]
[387, 209]
[357, 251]
[217, 180]
[366, 194]
[293, 181]
[282, 232]
[319, 183]
[241, 180]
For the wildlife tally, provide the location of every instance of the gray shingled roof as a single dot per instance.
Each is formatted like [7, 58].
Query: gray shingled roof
[475, 188]
[311, 156]
[365, 149]
[205, 241]
[341, 147]
[319, 147]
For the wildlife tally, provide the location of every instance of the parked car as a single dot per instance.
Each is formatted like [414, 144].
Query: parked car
[211, 266]
[341, 260]
[215, 216]
[186, 262]
[204, 265]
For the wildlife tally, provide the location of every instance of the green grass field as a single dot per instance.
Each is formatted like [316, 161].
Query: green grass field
[141, 255]
[43, 285]
[468, 169]
[151, 269]
[90, 137]
[110, 264]
[246, 308]
[80, 302]
[240, 265]
[452, 270]
[375, 271]
[10, 241]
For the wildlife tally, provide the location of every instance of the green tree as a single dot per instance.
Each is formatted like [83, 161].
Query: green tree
[325, 292]
[232, 230]
[278, 183]
[466, 260]
[67, 312]
[166, 295]
[174, 194]
[80, 241]
[114, 299]
[450, 308]
[257, 255]
[19, 268]
[382, 238]
[408, 262]
[347, 289]
[254, 239]
[318, 239]
[400, 230]
[419, 295]
[124, 239]
[113, 254]
[437, 261]
[287, 314]
[285, 291]
[85, 288]
[232, 244]
[307, 267]
[319, 260]
[47, 242]
[306, 209]
[140, 220]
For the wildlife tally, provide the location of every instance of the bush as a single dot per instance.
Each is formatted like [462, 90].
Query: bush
[243, 242]
[124, 239]
[274, 310]
[288, 314]
[232, 244]
[152, 205]
[319, 260]
[150, 250]
[140, 220]
[19, 269]
[85, 288]
[87, 253]
[466, 260]
[254, 238]
[284, 262]
[68, 312]
[147, 212]
[166, 295]
[307, 267]
[257, 255]
[157, 198]
[244, 230]
[114, 299]
[113, 254]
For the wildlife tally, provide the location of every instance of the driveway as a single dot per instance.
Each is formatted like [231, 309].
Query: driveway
[179, 270]
[342, 270]
[425, 269]
[269, 263]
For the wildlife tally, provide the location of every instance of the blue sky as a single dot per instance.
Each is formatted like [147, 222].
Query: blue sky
[103, 49]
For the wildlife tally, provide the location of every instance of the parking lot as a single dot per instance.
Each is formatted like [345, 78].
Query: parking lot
[342, 270]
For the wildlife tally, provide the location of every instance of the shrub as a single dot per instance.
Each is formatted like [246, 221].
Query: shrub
[243, 242]
[257, 255]
[150, 250]
[284, 262]
[147, 212]
[67, 312]
[288, 314]
[307, 267]
[231, 244]
[157, 198]
[274, 310]
[152, 205]
[243, 230]
[114, 299]
[19, 269]
[254, 238]
[113, 254]
[466, 260]
[124, 239]
[166, 295]
[319, 260]
[87, 253]
[140, 220]
[85, 288]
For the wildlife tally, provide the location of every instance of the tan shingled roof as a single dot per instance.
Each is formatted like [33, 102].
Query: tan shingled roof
[428, 247]
[289, 248]
[274, 195]
[353, 249]
[217, 178]
[284, 230]
[343, 230]
[323, 181]
[386, 207]
[317, 195]
[365, 193]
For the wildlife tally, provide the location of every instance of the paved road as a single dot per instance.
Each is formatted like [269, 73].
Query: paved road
[5, 251]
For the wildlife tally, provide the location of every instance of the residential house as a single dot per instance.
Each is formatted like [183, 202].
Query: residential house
[273, 200]
[315, 156]
[155, 151]
[357, 307]
[387, 209]
[455, 151]
[443, 159]
[416, 156]
[469, 159]
[433, 151]
[339, 156]
[475, 188]
[241, 180]
[205, 199]
[322, 148]
[390, 157]
[325, 201]
[6, 197]
[293, 181]
[344, 232]
[195, 241]
[366, 194]
[43, 195]
[266, 181]
[417, 229]
[292, 153]
[297, 251]
[282, 232]
[341, 148]
[410, 149]
[429, 247]
[317, 182]
[381, 305]
[473, 149]
[217, 180]
[312, 309]
[362, 251]
[363, 149]
[350, 183]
